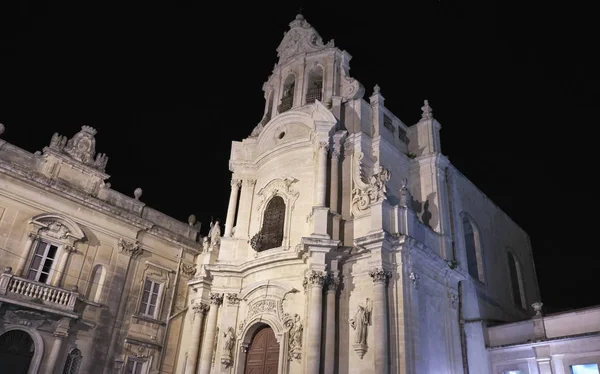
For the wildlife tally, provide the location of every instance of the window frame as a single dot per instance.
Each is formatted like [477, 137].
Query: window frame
[520, 281]
[136, 361]
[478, 243]
[157, 305]
[51, 273]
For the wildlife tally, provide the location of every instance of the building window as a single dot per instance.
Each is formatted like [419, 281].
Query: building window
[585, 369]
[516, 281]
[150, 304]
[271, 232]
[41, 263]
[402, 134]
[388, 123]
[314, 89]
[96, 283]
[473, 249]
[135, 366]
[287, 99]
[73, 362]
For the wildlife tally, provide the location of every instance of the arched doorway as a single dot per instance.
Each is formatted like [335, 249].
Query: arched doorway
[16, 351]
[263, 353]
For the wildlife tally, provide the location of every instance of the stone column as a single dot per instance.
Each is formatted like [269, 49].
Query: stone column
[380, 320]
[333, 192]
[233, 198]
[62, 265]
[216, 299]
[60, 334]
[321, 181]
[332, 286]
[245, 209]
[198, 310]
[314, 281]
[31, 237]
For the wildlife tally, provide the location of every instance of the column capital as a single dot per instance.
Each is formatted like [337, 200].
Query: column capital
[380, 275]
[335, 154]
[249, 182]
[333, 282]
[216, 298]
[236, 183]
[314, 278]
[200, 308]
[323, 146]
[233, 299]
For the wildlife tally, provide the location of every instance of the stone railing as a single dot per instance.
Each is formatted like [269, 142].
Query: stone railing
[13, 287]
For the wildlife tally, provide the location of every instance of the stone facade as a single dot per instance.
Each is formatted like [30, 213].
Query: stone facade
[349, 237]
[560, 343]
[77, 257]
[352, 237]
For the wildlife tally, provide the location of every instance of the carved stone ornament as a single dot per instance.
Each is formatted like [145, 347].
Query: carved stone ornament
[380, 275]
[188, 270]
[232, 299]
[56, 230]
[281, 187]
[200, 308]
[249, 182]
[81, 147]
[352, 89]
[302, 38]
[228, 345]
[28, 318]
[366, 194]
[360, 324]
[139, 351]
[295, 333]
[236, 183]
[314, 278]
[216, 298]
[333, 283]
[131, 249]
[263, 306]
[405, 195]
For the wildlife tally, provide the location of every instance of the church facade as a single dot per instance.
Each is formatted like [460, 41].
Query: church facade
[351, 245]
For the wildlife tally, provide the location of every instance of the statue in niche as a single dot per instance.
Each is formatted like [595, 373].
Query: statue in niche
[360, 322]
[228, 344]
[214, 234]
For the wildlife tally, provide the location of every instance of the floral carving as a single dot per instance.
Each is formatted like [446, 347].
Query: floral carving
[216, 298]
[314, 278]
[295, 346]
[188, 270]
[200, 308]
[232, 299]
[263, 306]
[380, 275]
[333, 283]
[131, 249]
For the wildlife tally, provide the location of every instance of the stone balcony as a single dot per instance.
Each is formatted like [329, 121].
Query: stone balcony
[35, 295]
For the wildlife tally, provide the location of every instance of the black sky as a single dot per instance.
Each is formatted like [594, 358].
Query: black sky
[169, 86]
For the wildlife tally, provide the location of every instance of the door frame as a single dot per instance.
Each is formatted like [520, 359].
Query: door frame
[281, 334]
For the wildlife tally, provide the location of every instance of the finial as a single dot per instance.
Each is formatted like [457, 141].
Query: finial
[537, 307]
[2, 128]
[137, 193]
[88, 129]
[427, 111]
[376, 90]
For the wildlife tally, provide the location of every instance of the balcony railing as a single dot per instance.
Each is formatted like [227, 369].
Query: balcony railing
[313, 94]
[13, 287]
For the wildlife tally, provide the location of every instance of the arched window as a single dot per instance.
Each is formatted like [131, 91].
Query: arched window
[271, 232]
[314, 88]
[473, 249]
[73, 362]
[516, 281]
[287, 98]
[96, 283]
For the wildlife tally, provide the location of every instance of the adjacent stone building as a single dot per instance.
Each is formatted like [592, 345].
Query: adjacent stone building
[93, 281]
[351, 245]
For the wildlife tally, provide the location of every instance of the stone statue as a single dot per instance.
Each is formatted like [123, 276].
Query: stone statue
[214, 234]
[228, 344]
[295, 346]
[360, 322]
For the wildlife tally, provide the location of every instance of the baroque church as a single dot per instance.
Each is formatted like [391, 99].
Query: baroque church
[351, 245]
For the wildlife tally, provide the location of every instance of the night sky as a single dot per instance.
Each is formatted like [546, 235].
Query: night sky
[169, 86]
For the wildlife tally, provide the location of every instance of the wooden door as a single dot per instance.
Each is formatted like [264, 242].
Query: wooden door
[263, 354]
